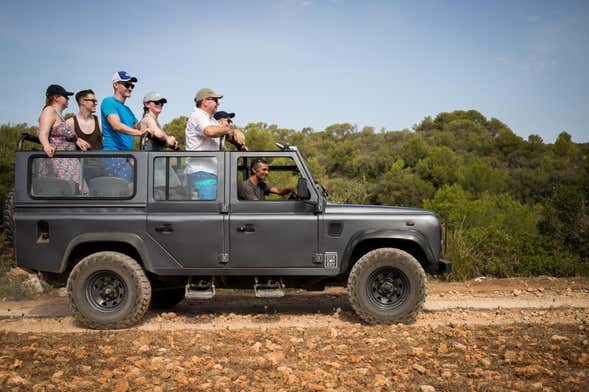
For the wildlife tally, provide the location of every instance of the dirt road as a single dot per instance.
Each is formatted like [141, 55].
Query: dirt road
[486, 335]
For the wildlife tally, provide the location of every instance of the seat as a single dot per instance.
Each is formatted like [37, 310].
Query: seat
[110, 187]
[53, 187]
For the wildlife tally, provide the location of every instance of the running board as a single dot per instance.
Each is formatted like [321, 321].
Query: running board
[270, 289]
[203, 289]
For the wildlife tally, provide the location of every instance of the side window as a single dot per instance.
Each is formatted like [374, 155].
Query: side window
[266, 179]
[83, 177]
[185, 178]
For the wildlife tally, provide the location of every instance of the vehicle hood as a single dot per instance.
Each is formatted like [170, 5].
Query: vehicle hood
[332, 208]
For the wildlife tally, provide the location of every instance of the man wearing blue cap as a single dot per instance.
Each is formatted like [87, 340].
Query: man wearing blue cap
[118, 122]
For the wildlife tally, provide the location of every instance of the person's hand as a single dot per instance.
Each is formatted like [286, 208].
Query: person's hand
[83, 144]
[238, 136]
[49, 150]
[244, 148]
[171, 142]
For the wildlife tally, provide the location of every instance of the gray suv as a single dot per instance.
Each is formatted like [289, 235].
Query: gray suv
[121, 245]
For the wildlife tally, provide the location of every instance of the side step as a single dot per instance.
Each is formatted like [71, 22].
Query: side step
[203, 289]
[270, 289]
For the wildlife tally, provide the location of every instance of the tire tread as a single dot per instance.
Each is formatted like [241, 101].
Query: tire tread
[142, 299]
[414, 274]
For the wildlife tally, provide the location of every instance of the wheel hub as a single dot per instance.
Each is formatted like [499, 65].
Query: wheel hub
[106, 291]
[388, 288]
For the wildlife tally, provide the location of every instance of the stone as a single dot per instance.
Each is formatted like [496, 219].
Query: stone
[485, 362]
[558, 338]
[420, 369]
[509, 356]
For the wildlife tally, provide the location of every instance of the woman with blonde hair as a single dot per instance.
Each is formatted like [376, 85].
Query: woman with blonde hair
[56, 135]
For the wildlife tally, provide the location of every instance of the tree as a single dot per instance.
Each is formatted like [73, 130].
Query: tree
[440, 166]
[177, 128]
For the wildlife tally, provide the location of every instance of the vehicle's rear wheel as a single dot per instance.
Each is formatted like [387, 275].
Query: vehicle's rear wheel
[108, 290]
[386, 286]
[8, 217]
[166, 298]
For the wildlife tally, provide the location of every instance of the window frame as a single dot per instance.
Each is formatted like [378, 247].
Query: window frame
[78, 154]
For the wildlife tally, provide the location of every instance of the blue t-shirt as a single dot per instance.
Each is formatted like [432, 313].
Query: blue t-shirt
[114, 140]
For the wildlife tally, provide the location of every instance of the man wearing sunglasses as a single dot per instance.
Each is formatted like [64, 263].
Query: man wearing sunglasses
[203, 133]
[118, 124]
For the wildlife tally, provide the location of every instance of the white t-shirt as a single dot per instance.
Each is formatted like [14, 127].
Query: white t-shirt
[196, 140]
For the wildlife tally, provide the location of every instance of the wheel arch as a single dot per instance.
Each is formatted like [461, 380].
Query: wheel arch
[411, 242]
[86, 244]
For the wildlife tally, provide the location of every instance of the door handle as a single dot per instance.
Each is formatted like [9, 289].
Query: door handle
[166, 228]
[247, 228]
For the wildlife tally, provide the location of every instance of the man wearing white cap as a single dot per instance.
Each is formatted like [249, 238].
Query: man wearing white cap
[203, 133]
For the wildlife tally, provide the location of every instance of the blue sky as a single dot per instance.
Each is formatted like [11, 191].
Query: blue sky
[311, 63]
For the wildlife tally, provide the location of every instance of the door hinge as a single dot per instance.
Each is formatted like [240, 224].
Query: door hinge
[317, 258]
[223, 208]
[223, 258]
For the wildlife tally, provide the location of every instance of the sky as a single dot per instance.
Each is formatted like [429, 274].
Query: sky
[310, 63]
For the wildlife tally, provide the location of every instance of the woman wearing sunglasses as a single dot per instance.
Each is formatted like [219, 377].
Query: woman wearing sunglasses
[56, 135]
[153, 104]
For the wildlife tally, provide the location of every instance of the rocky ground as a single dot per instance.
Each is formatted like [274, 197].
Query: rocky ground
[482, 335]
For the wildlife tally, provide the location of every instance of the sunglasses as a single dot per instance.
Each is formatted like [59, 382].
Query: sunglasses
[229, 121]
[213, 99]
[128, 85]
[158, 103]
[90, 100]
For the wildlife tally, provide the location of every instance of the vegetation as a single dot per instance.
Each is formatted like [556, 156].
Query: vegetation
[512, 207]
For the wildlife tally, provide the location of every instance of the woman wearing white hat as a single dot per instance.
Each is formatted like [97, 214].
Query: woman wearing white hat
[153, 104]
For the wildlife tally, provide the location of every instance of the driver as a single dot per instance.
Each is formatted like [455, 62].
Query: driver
[254, 187]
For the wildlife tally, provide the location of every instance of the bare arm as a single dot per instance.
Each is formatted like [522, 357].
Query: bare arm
[217, 131]
[281, 191]
[232, 133]
[46, 120]
[117, 125]
[147, 123]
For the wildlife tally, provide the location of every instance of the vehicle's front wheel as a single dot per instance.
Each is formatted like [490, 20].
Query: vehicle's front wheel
[108, 290]
[386, 286]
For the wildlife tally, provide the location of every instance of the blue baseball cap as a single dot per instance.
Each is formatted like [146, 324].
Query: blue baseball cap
[122, 76]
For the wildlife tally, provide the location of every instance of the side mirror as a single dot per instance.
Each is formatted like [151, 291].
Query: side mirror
[303, 190]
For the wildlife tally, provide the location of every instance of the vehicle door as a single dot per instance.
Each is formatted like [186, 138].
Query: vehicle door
[189, 229]
[277, 232]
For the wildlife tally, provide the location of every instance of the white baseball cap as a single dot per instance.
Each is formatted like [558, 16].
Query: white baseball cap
[154, 97]
[122, 76]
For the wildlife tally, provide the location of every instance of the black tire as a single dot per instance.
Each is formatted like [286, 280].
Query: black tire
[166, 298]
[387, 286]
[108, 290]
[8, 217]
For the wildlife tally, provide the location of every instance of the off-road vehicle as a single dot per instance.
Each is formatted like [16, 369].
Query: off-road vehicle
[123, 244]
